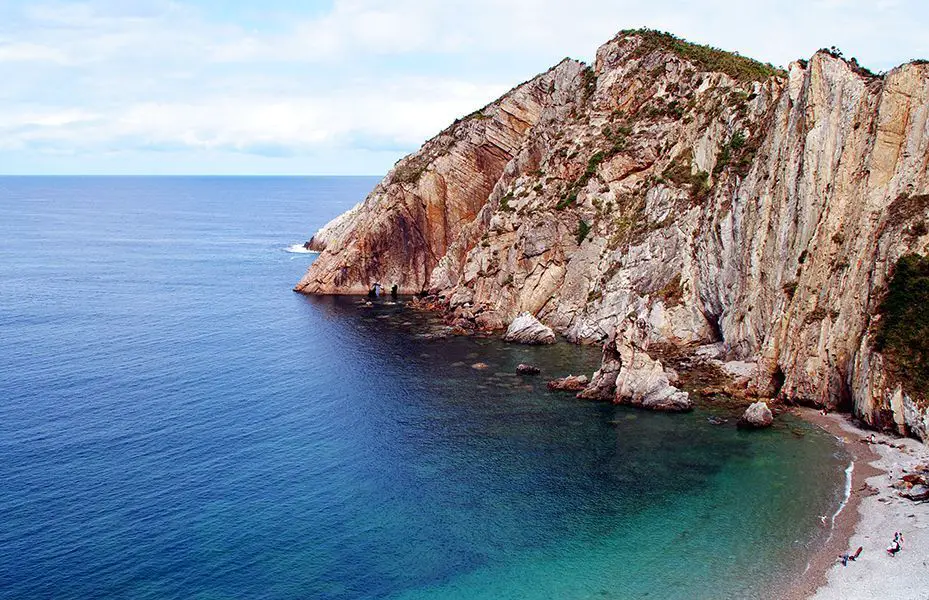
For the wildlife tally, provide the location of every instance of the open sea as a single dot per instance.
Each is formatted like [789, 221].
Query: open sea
[175, 422]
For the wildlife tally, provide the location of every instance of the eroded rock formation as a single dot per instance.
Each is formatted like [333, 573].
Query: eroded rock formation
[526, 329]
[708, 197]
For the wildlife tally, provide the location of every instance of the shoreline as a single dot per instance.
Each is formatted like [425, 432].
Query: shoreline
[873, 512]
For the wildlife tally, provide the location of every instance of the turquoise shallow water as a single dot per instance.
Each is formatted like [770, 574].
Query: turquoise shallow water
[176, 423]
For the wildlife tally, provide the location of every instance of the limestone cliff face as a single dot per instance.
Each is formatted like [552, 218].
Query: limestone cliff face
[707, 199]
[413, 217]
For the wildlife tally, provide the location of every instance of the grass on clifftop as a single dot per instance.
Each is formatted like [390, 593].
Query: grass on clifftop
[709, 58]
[902, 334]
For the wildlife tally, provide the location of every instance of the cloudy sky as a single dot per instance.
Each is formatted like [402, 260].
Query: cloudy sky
[341, 86]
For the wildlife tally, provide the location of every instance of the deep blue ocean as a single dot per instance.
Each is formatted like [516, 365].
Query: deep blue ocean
[175, 422]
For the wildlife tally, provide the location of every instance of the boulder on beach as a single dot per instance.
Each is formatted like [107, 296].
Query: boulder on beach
[914, 486]
[526, 329]
[524, 369]
[571, 383]
[917, 493]
[756, 416]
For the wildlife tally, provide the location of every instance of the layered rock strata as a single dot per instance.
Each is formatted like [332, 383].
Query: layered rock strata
[704, 196]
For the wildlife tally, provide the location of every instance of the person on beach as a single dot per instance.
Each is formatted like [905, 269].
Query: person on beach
[847, 557]
[896, 545]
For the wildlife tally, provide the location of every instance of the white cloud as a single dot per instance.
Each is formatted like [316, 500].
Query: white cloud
[29, 52]
[402, 114]
[106, 75]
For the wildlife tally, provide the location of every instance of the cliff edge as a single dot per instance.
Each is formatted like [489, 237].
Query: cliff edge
[704, 196]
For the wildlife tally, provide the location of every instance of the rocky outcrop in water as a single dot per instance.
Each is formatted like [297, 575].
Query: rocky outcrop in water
[571, 383]
[643, 382]
[706, 196]
[757, 416]
[629, 375]
[526, 329]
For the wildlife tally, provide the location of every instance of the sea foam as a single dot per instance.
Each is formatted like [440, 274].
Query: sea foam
[299, 249]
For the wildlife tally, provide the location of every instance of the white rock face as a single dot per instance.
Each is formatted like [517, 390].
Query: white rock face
[630, 376]
[643, 382]
[526, 329]
[757, 416]
[761, 213]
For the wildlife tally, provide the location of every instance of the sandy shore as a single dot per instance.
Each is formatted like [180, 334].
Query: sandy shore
[874, 512]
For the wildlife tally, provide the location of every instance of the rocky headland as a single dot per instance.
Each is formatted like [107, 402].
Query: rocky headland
[676, 196]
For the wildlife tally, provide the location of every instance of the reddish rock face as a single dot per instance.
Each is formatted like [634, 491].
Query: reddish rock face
[407, 224]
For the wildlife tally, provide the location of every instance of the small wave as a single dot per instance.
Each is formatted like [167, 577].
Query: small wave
[847, 494]
[299, 249]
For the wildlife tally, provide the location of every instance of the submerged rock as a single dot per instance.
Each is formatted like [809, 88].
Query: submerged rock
[524, 369]
[571, 383]
[526, 329]
[756, 416]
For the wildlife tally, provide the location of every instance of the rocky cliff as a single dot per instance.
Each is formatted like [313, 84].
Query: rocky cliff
[699, 194]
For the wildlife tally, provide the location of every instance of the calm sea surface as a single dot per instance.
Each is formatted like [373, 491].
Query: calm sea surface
[176, 423]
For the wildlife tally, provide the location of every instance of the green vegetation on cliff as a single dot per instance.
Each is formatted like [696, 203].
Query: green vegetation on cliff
[902, 334]
[709, 58]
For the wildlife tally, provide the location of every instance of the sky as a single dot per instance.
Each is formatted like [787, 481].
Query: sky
[342, 87]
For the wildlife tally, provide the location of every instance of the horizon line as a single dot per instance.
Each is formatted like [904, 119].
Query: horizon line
[242, 175]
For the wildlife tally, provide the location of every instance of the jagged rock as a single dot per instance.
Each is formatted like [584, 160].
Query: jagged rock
[571, 383]
[758, 209]
[917, 493]
[756, 416]
[740, 374]
[524, 369]
[526, 329]
[603, 384]
[630, 376]
[642, 382]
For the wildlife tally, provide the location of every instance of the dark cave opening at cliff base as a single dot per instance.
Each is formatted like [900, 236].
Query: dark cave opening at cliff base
[777, 380]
